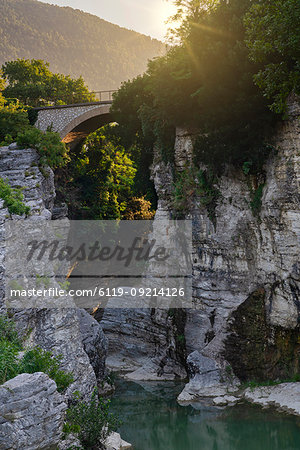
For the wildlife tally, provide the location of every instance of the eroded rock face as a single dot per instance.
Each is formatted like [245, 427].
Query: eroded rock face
[206, 379]
[31, 413]
[258, 350]
[246, 252]
[142, 343]
[94, 342]
[57, 330]
[149, 344]
[246, 248]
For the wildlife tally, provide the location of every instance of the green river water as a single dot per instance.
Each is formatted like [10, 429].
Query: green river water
[153, 420]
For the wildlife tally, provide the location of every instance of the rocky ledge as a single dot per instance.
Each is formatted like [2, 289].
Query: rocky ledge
[284, 397]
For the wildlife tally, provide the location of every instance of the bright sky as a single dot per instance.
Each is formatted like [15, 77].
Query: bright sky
[146, 16]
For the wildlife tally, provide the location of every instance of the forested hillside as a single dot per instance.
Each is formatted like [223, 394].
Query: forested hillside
[74, 43]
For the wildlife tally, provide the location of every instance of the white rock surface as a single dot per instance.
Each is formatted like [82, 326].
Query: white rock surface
[31, 413]
[115, 442]
[225, 400]
[243, 253]
[284, 397]
[206, 379]
[94, 342]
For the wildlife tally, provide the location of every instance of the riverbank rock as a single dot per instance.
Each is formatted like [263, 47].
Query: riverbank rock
[115, 442]
[284, 397]
[226, 400]
[246, 272]
[31, 413]
[207, 379]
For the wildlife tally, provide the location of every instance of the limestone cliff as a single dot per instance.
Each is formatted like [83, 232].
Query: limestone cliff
[245, 278]
[246, 266]
[75, 336]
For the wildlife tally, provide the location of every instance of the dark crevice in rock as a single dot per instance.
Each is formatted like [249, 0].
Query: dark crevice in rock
[255, 349]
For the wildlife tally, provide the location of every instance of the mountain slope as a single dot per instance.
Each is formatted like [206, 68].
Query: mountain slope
[74, 42]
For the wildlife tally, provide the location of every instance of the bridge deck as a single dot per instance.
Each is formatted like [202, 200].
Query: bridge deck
[74, 105]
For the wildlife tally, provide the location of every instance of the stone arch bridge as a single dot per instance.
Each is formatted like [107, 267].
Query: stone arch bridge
[74, 122]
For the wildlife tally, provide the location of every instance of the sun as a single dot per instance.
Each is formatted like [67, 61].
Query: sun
[167, 10]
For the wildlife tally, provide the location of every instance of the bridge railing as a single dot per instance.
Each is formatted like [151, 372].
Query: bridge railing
[104, 96]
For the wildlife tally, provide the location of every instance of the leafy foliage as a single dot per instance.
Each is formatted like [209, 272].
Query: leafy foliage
[8, 361]
[49, 146]
[13, 199]
[256, 201]
[92, 421]
[99, 181]
[191, 184]
[33, 84]
[8, 332]
[138, 209]
[273, 37]
[74, 43]
[188, 14]
[13, 119]
[2, 86]
[33, 360]
[204, 83]
[38, 360]
[107, 175]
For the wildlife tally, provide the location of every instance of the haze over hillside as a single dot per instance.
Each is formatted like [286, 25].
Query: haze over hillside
[74, 42]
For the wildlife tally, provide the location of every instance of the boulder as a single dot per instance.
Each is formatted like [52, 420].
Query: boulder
[115, 442]
[207, 379]
[31, 413]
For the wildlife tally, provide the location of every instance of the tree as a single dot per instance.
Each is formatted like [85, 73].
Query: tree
[13, 120]
[34, 84]
[273, 37]
[204, 83]
[126, 108]
[188, 15]
[104, 175]
[2, 86]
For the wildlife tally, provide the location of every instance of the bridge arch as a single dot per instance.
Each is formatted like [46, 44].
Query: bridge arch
[74, 122]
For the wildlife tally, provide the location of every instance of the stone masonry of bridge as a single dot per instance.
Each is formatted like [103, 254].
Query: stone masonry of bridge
[74, 122]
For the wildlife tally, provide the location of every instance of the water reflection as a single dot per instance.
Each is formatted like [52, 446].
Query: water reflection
[152, 420]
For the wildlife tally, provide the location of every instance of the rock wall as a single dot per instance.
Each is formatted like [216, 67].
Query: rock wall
[148, 344]
[245, 278]
[246, 267]
[143, 343]
[63, 331]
